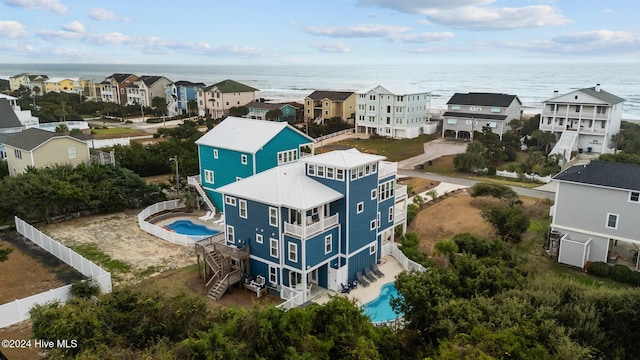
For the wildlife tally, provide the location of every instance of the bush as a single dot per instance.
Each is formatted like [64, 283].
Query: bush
[84, 288]
[600, 269]
[620, 273]
[491, 170]
[634, 278]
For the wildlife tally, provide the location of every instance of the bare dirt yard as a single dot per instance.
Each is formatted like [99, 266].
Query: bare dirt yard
[119, 236]
[454, 214]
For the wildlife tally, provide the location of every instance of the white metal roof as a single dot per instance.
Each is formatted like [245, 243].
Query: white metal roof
[395, 89]
[58, 79]
[345, 159]
[245, 135]
[285, 185]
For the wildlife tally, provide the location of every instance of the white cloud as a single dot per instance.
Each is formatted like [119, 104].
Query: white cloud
[422, 37]
[53, 5]
[476, 14]
[102, 14]
[107, 38]
[599, 37]
[357, 31]
[332, 47]
[74, 26]
[595, 43]
[608, 11]
[12, 30]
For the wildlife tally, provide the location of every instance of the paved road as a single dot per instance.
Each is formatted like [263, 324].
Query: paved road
[540, 194]
[433, 150]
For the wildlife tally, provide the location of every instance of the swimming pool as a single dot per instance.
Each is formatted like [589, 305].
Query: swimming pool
[379, 309]
[187, 227]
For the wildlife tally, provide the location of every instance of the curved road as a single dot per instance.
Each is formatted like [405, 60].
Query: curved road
[540, 194]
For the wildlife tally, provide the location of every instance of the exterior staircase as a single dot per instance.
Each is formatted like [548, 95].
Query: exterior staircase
[568, 143]
[219, 271]
[220, 287]
[195, 182]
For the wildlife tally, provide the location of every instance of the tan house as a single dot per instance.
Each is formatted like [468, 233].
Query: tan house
[39, 148]
[320, 105]
[217, 99]
[89, 87]
[114, 88]
[18, 80]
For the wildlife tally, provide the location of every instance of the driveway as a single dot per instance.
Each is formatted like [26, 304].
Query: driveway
[433, 150]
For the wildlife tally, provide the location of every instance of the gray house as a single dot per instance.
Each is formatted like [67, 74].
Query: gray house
[596, 216]
[470, 112]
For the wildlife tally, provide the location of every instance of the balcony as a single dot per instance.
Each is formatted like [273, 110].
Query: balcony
[312, 228]
[386, 169]
[401, 192]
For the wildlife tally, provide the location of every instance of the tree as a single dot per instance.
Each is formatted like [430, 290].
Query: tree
[509, 222]
[190, 199]
[274, 114]
[544, 139]
[192, 107]
[492, 145]
[472, 159]
[62, 129]
[160, 105]
[238, 111]
[617, 140]
[446, 248]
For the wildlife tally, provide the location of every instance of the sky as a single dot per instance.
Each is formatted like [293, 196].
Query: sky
[349, 32]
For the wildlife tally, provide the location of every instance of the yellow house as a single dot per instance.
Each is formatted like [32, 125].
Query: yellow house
[38, 148]
[60, 85]
[329, 104]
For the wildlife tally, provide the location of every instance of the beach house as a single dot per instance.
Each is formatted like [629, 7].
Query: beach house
[317, 222]
[217, 99]
[187, 91]
[596, 212]
[260, 109]
[114, 88]
[321, 105]
[469, 112]
[398, 110]
[238, 148]
[583, 120]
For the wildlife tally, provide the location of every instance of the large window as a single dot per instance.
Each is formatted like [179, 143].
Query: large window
[273, 216]
[273, 247]
[273, 275]
[231, 237]
[612, 221]
[208, 176]
[293, 252]
[385, 190]
[242, 209]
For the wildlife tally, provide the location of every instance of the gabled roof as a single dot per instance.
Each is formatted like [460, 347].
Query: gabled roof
[150, 80]
[345, 159]
[395, 89]
[230, 86]
[4, 137]
[58, 79]
[244, 135]
[603, 173]
[33, 77]
[30, 139]
[331, 95]
[265, 105]
[8, 117]
[483, 99]
[120, 77]
[285, 185]
[189, 83]
[600, 94]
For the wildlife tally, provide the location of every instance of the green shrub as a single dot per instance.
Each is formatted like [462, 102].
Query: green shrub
[620, 273]
[634, 278]
[84, 288]
[600, 269]
[491, 170]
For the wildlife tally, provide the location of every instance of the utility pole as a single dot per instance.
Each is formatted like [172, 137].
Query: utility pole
[175, 158]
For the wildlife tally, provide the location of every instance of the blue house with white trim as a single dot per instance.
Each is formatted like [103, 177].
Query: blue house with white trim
[238, 148]
[187, 91]
[318, 221]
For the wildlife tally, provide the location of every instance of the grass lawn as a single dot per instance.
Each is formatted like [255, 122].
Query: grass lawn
[393, 149]
[114, 130]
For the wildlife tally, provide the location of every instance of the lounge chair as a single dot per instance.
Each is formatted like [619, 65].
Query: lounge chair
[376, 271]
[309, 285]
[361, 280]
[353, 285]
[220, 221]
[345, 289]
[369, 276]
[206, 216]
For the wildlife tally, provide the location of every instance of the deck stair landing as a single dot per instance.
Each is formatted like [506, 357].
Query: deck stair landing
[222, 265]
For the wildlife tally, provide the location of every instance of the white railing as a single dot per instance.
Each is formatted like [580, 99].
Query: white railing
[338, 133]
[18, 310]
[399, 216]
[408, 264]
[294, 297]
[386, 169]
[401, 191]
[195, 182]
[515, 175]
[102, 143]
[161, 232]
[310, 229]
[552, 211]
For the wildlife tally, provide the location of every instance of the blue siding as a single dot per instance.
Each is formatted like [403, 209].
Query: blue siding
[226, 168]
[285, 252]
[257, 222]
[359, 261]
[287, 139]
[359, 231]
[323, 276]
[315, 247]
[258, 268]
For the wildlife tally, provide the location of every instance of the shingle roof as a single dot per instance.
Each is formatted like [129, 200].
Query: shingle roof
[483, 99]
[345, 159]
[150, 80]
[285, 185]
[607, 97]
[244, 135]
[32, 138]
[120, 77]
[189, 83]
[331, 95]
[229, 86]
[603, 173]
[8, 117]
[4, 137]
[474, 115]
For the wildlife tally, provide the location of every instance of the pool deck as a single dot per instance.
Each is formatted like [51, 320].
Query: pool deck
[389, 266]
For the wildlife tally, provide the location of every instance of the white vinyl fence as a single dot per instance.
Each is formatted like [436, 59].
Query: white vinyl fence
[161, 232]
[102, 143]
[393, 250]
[534, 177]
[18, 310]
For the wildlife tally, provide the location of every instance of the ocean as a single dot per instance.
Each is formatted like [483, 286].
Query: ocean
[532, 83]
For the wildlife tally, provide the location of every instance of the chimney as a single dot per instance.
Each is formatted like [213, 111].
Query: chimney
[597, 87]
[555, 92]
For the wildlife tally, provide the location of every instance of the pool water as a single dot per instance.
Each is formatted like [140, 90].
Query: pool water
[187, 227]
[379, 309]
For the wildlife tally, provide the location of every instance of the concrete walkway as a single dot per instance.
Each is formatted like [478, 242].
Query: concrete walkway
[433, 150]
